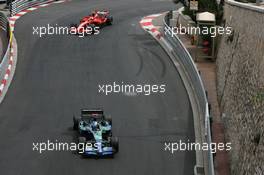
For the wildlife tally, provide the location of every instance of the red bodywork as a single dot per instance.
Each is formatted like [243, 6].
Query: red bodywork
[96, 19]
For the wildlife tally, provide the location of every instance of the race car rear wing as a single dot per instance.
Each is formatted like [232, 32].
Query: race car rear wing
[92, 112]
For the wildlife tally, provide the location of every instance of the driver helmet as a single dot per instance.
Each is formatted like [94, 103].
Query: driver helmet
[95, 126]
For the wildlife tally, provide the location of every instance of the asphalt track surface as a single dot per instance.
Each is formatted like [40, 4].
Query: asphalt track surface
[58, 75]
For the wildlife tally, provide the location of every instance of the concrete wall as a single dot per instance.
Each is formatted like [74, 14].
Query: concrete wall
[240, 76]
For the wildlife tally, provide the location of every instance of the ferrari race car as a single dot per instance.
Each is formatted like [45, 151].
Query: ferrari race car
[95, 130]
[92, 23]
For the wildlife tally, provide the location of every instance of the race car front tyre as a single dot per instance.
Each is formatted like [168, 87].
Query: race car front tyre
[115, 143]
[81, 140]
[109, 20]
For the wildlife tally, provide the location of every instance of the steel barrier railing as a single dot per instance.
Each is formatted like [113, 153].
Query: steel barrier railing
[4, 24]
[5, 29]
[184, 57]
[20, 5]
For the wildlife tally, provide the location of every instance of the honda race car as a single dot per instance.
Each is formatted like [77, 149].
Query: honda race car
[95, 130]
[92, 23]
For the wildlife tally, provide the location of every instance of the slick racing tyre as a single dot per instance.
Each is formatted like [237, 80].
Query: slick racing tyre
[82, 140]
[76, 122]
[115, 144]
[109, 20]
[91, 26]
[73, 25]
[109, 119]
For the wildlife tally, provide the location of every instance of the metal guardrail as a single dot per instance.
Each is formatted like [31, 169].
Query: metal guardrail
[4, 24]
[4, 30]
[184, 57]
[249, 6]
[20, 5]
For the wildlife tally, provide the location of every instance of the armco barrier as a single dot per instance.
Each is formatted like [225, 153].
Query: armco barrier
[185, 59]
[4, 24]
[20, 5]
[4, 34]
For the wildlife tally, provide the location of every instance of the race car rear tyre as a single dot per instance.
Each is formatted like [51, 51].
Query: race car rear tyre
[92, 26]
[76, 123]
[74, 25]
[109, 119]
[115, 143]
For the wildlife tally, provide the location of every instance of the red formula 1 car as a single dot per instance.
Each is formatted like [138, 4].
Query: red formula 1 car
[92, 23]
